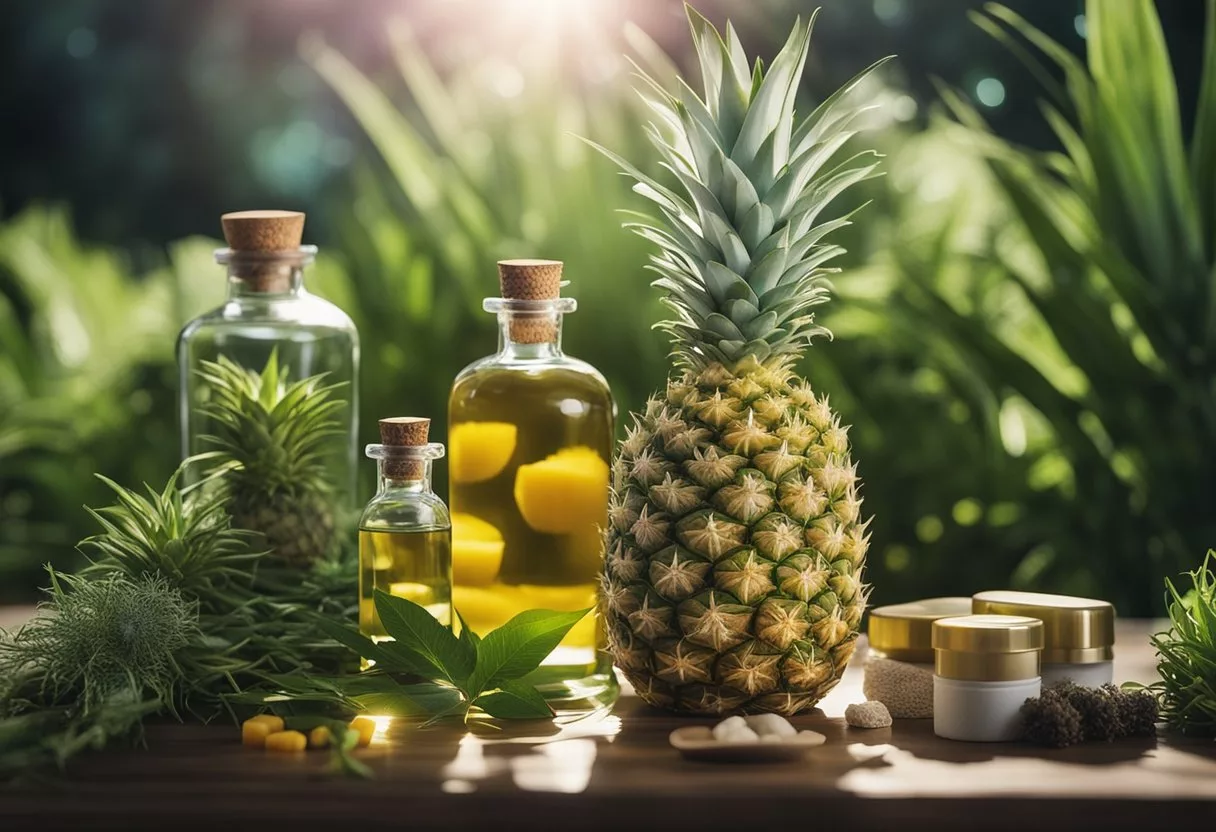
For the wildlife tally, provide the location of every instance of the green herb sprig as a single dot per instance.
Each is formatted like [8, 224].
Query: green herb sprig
[1186, 654]
[462, 675]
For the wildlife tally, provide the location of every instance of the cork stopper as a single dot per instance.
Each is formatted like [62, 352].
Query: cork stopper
[404, 432]
[531, 280]
[264, 232]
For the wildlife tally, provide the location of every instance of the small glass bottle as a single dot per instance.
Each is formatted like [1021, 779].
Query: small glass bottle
[405, 533]
[270, 315]
[531, 432]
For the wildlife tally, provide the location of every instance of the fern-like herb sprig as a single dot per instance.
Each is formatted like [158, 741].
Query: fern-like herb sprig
[1186, 653]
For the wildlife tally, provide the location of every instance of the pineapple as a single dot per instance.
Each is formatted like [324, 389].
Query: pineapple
[270, 436]
[735, 550]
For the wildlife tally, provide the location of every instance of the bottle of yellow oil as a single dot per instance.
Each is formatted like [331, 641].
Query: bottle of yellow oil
[405, 533]
[531, 433]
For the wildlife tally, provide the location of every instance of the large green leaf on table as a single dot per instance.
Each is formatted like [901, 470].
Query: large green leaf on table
[519, 646]
[420, 636]
[514, 700]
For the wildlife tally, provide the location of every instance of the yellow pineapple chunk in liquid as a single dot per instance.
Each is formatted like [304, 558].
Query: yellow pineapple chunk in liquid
[489, 608]
[480, 450]
[565, 492]
[477, 549]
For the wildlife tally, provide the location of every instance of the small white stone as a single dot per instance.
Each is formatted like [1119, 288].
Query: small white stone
[743, 734]
[731, 726]
[771, 738]
[771, 725]
[868, 715]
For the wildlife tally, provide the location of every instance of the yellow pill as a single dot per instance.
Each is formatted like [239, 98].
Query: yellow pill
[286, 741]
[319, 737]
[275, 722]
[254, 733]
[366, 727]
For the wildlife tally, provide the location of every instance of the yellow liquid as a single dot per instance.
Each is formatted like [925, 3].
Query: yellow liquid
[415, 565]
[528, 468]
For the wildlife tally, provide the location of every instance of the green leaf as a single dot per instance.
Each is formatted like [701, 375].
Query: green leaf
[519, 646]
[514, 700]
[417, 631]
[1203, 143]
[411, 700]
[386, 655]
[467, 637]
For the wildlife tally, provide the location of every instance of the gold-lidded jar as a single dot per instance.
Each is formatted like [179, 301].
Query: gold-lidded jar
[904, 632]
[985, 667]
[899, 665]
[1078, 633]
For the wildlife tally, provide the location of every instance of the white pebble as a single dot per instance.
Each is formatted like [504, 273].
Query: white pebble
[868, 715]
[771, 738]
[771, 725]
[734, 729]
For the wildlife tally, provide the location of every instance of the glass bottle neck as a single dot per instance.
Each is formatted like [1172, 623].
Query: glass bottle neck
[246, 282]
[529, 329]
[528, 336]
[266, 274]
[417, 480]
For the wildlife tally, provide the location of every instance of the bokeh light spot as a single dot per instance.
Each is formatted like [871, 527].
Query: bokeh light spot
[929, 528]
[897, 557]
[891, 12]
[81, 43]
[967, 512]
[990, 92]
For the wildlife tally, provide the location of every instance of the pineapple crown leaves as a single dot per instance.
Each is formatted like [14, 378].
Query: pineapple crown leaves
[184, 537]
[268, 431]
[741, 257]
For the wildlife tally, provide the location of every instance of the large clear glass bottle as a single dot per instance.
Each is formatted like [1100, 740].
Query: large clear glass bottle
[268, 312]
[531, 432]
[405, 533]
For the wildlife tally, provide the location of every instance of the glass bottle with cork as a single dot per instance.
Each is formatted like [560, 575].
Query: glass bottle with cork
[531, 433]
[242, 357]
[405, 533]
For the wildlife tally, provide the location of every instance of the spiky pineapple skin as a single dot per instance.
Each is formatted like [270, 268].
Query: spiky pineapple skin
[298, 527]
[733, 576]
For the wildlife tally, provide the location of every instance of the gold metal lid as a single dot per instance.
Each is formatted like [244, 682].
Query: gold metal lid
[1075, 630]
[987, 648]
[904, 632]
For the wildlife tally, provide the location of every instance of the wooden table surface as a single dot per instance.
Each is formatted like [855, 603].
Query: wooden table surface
[618, 771]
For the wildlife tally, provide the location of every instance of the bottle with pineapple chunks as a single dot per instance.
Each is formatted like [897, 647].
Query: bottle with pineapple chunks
[405, 533]
[531, 433]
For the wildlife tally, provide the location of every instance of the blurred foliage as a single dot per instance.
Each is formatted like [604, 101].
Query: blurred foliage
[1086, 326]
[1022, 338]
[86, 383]
[468, 178]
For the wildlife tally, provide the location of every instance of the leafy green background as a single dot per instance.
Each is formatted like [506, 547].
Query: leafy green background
[1024, 336]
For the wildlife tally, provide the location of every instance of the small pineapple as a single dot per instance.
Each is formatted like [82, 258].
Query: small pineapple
[735, 549]
[270, 437]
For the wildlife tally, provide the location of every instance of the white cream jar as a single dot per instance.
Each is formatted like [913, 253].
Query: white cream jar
[1078, 633]
[985, 668]
[899, 666]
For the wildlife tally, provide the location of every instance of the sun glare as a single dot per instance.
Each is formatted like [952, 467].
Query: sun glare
[526, 21]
